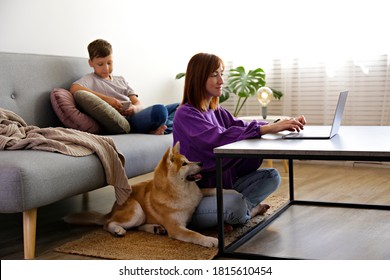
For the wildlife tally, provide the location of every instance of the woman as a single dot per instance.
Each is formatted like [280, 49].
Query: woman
[200, 125]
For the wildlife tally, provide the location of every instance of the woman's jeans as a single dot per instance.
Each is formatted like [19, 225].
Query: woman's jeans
[151, 118]
[252, 189]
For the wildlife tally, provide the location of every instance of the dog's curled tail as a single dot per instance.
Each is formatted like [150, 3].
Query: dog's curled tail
[86, 218]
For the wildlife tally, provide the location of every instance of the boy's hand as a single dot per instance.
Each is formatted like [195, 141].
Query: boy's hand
[113, 102]
[129, 112]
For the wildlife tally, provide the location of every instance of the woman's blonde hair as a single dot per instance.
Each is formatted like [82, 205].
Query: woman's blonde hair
[198, 71]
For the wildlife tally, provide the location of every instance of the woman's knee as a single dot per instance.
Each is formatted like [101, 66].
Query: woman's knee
[272, 174]
[235, 209]
[275, 177]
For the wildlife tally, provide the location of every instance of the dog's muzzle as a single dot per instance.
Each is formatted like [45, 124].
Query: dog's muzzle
[197, 176]
[194, 177]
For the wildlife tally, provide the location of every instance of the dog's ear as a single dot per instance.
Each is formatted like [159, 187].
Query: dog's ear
[170, 153]
[176, 148]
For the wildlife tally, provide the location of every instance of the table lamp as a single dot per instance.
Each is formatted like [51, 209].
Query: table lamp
[264, 96]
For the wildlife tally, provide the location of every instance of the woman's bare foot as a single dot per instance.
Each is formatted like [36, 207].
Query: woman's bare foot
[259, 209]
[160, 130]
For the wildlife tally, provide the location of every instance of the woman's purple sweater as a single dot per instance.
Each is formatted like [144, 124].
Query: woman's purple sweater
[200, 132]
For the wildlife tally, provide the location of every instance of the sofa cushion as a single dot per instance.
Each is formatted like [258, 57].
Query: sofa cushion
[144, 152]
[31, 179]
[111, 120]
[64, 106]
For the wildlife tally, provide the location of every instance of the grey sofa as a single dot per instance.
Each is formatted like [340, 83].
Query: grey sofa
[30, 179]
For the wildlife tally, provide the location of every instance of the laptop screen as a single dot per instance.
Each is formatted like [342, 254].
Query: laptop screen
[339, 113]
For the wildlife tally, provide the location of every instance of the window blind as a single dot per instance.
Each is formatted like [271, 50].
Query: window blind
[312, 90]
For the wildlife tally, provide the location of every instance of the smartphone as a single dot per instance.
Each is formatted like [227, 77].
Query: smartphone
[125, 105]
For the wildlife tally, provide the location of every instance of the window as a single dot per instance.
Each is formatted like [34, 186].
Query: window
[312, 90]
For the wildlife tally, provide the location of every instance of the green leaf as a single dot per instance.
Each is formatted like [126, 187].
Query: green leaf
[224, 96]
[277, 94]
[180, 75]
[243, 84]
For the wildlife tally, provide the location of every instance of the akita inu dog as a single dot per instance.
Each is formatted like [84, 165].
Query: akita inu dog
[164, 204]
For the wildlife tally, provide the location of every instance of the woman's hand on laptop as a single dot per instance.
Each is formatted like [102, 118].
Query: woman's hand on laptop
[290, 124]
[301, 119]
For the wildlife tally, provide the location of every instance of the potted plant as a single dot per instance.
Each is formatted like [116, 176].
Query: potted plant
[243, 84]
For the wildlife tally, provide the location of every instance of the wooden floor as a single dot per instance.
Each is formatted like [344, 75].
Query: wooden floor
[324, 233]
[338, 181]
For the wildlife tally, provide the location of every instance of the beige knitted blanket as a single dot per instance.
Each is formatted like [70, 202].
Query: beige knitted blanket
[15, 134]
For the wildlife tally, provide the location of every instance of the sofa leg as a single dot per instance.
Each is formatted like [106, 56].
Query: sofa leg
[29, 232]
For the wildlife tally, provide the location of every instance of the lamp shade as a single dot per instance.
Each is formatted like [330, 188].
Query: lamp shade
[264, 96]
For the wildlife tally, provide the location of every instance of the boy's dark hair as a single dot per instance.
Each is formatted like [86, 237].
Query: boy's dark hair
[99, 48]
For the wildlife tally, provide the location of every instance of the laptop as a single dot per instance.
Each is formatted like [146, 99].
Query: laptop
[323, 132]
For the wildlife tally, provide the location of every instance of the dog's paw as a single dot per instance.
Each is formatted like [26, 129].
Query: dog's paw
[160, 230]
[208, 241]
[115, 229]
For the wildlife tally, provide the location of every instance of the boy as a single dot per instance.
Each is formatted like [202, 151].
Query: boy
[156, 119]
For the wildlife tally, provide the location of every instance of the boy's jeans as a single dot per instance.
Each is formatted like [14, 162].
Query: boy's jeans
[151, 118]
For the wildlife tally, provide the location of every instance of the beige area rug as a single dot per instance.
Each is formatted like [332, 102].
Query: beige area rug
[137, 245]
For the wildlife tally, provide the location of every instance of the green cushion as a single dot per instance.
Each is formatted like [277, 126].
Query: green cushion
[111, 120]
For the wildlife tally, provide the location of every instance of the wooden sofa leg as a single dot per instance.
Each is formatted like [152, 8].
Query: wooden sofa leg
[29, 232]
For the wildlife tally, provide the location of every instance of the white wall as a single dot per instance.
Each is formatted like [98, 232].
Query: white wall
[154, 39]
